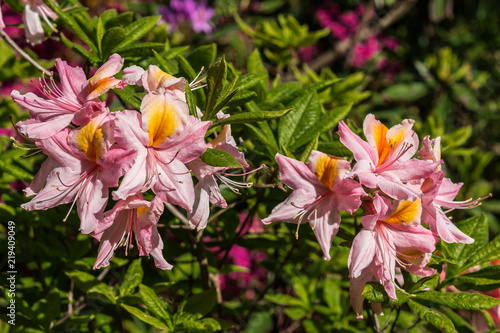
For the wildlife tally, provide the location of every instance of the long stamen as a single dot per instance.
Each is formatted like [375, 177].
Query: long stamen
[243, 174]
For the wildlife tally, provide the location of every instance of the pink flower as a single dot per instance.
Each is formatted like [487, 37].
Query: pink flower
[74, 102]
[321, 191]
[439, 192]
[364, 52]
[207, 191]
[385, 160]
[392, 234]
[31, 18]
[165, 137]
[153, 79]
[82, 165]
[2, 24]
[134, 215]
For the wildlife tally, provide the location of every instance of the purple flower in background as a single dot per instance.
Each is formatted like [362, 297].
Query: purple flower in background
[198, 14]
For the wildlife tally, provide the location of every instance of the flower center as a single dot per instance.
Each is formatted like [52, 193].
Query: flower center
[406, 212]
[90, 140]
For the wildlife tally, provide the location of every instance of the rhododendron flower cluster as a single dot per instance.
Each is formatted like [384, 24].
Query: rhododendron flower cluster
[93, 153]
[90, 149]
[399, 194]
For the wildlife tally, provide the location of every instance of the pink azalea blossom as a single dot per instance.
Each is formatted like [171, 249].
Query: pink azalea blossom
[207, 191]
[165, 137]
[82, 164]
[385, 161]
[392, 234]
[134, 215]
[321, 191]
[73, 102]
[152, 80]
[439, 192]
[31, 18]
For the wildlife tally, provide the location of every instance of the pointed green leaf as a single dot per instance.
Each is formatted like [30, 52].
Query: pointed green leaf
[295, 313]
[306, 111]
[164, 64]
[201, 303]
[185, 69]
[375, 292]
[313, 145]
[71, 23]
[219, 158]
[283, 299]
[140, 49]
[202, 56]
[431, 316]
[79, 49]
[111, 39]
[270, 144]
[486, 279]
[215, 80]
[326, 122]
[121, 20]
[132, 279]
[99, 34]
[462, 301]
[191, 101]
[154, 304]
[255, 66]
[128, 96]
[249, 117]
[487, 253]
[136, 30]
[146, 318]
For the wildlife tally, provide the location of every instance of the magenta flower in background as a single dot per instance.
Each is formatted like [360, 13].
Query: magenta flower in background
[198, 14]
[345, 25]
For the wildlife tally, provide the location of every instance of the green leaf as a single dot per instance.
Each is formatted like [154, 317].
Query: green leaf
[185, 69]
[201, 303]
[255, 66]
[17, 172]
[375, 292]
[99, 34]
[132, 279]
[295, 313]
[136, 30]
[71, 23]
[426, 282]
[264, 126]
[78, 48]
[405, 92]
[191, 101]
[313, 145]
[15, 5]
[128, 96]
[249, 117]
[283, 299]
[219, 158]
[111, 39]
[487, 253]
[462, 301]
[215, 80]
[268, 142]
[431, 316]
[91, 285]
[324, 123]
[460, 323]
[202, 56]
[121, 20]
[476, 226]
[141, 49]
[145, 317]
[484, 280]
[165, 65]
[464, 95]
[306, 110]
[332, 293]
[154, 304]
[206, 325]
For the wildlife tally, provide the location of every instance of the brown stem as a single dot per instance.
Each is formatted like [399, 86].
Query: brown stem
[23, 54]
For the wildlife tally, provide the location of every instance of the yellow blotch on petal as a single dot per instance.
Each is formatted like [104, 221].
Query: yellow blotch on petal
[411, 255]
[142, 210]
[97, 88]
[90, 141]
[387, 140]
[406, 212]
[162, 122]
[326, 170]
